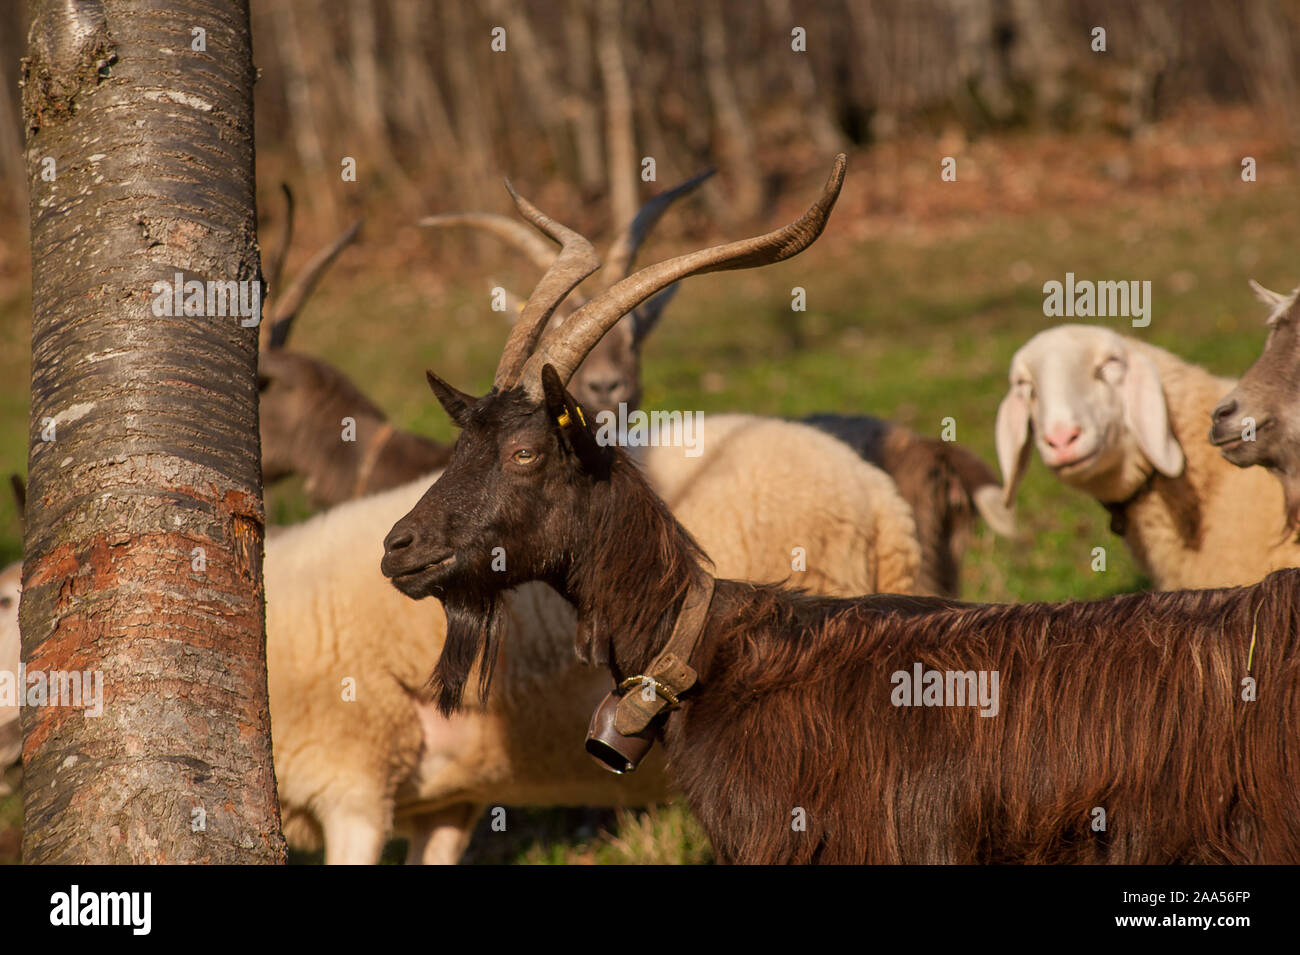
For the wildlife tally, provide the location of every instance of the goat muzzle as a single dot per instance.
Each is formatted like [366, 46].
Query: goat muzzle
[610, 748]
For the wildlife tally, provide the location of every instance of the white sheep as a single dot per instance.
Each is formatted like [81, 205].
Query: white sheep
[1126, 422]
[358, 755]
[11, 739]
[760, 482]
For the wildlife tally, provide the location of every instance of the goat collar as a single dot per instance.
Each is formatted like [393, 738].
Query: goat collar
[1119, 509]
[373, 450]
[670, 673]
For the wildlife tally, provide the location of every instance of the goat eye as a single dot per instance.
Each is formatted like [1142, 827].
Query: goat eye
[523, 456]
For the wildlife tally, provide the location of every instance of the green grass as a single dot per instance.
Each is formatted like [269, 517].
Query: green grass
[915, 328]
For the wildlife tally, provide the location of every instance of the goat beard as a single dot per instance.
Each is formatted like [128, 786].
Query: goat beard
[473, 635]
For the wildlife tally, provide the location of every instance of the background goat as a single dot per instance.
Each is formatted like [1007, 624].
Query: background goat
[304, 400]
[790, 748]
[1268, 394]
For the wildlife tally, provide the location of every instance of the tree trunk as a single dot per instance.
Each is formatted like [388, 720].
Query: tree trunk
[144, 521]
[736, 145]
[578, 104]
[621, 138]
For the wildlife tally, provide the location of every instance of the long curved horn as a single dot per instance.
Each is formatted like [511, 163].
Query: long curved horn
[577, 260]
[622, 251]
[512, 231]
[286, 309]
[566, 346]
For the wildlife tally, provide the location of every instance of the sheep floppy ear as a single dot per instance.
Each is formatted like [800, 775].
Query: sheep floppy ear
[568, 418]
[457, 404]
[1011, 435]
[1147, 415]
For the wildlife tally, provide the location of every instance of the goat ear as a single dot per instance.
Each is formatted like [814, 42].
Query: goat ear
[1147, 415]
[457, 404]
[1011, 435]
[569, 419]
[1268, 296]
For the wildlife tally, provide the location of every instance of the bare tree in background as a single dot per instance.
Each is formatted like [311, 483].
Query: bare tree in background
[144, 520]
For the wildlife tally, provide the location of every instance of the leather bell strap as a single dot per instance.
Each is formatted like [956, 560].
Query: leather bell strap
[670, 672]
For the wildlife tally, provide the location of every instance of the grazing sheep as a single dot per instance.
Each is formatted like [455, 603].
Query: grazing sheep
[788, 720]
[355, 770]
[1124, 421]
[945, 484]
[11, 737]
[1269, 396]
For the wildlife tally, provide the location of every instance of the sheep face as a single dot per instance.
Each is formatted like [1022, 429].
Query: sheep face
[1095, 409]
[507, 509]
[1258, 422]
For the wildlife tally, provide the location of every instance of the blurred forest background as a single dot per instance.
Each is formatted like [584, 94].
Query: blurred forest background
[1122, 164]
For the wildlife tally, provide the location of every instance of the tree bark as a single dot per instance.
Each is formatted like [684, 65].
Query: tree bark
[144, 442]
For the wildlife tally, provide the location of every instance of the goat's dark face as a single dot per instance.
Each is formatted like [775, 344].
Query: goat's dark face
[511, 503]
[1269, 395]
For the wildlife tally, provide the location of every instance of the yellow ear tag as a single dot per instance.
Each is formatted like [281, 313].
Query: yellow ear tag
[564, 419]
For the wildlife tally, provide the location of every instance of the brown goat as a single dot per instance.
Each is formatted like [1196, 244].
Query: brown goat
[793, 742]
[945, 484]
[304, 402]
[1269, 396]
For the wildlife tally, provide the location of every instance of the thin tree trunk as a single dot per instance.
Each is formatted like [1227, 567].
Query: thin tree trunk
[425, 115]
[816, 108]
[578, 105]
[621, 138]
[144, 521]
[533, 61]
[736, 144]
[466, 94]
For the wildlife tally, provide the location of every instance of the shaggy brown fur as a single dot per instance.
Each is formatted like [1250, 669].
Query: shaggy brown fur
[1131, 705]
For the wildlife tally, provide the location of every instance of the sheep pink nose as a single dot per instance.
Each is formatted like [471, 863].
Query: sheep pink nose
[1062, 436]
